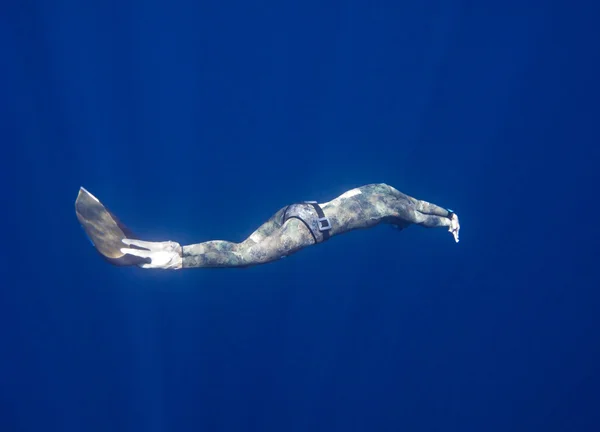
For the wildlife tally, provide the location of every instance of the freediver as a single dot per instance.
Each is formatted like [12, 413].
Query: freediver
[289, 230]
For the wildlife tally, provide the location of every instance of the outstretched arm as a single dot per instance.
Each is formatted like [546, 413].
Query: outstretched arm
[369, 205]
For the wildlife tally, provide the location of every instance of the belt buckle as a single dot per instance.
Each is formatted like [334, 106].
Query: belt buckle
[324, 224]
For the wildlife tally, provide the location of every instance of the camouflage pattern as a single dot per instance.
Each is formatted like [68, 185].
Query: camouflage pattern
[307, 214]
[359, 208]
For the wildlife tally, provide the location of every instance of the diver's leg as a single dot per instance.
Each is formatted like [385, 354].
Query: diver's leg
[214, 253]
[268, 228]
[220, 253]
[283, 241]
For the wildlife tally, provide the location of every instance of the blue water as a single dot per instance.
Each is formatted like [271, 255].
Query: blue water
[197, 120]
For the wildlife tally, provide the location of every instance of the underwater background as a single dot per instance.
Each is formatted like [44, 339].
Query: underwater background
[197, 120]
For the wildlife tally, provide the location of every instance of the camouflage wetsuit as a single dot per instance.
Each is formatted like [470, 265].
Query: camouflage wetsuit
[297, 226]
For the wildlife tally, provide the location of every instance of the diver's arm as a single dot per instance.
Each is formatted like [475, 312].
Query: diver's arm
[369, 205]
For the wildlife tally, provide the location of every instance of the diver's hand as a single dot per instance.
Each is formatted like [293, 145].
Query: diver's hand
[454, 226]
[162, 255]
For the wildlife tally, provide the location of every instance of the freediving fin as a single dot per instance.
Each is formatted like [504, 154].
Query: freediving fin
[104, 229]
